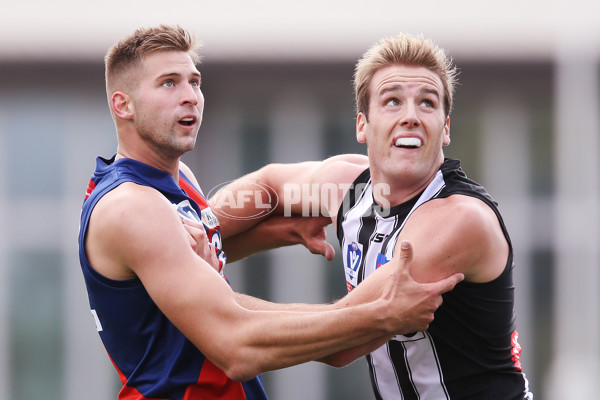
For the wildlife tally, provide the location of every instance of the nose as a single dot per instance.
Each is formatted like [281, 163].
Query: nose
[409, 117]
[191, 95]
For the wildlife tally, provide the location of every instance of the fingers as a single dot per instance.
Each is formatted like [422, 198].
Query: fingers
[403, 260]
[321, 246]
[200, 243]
[446, 285]
[197, 237]
[411, 302]
[193, 227]
[314, 237]
[329, 252]
[442, 286]
[406, 250]
[193, 223]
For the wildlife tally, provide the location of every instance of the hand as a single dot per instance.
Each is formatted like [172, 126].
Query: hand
[311, 231]
[411, 304]
[200, 243]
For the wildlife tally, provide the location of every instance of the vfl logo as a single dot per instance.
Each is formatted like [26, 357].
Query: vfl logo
[185, 210]
[353, 260]
[354, 256]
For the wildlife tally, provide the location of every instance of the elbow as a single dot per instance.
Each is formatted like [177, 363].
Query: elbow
[338, 360]
[338, 364]
[240, 368]
[240, 373]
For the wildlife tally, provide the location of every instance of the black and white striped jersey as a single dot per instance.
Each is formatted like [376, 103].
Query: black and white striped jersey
[470, 350]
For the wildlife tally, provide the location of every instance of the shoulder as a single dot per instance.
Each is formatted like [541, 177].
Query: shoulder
[129, 198]
[460, 209]
[122, 228]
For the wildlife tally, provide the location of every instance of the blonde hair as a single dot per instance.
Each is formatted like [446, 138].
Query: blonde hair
[123, 57]
[403, 49]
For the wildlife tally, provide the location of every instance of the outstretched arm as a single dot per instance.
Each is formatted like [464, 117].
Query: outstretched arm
[307, 189]
[415, 301]
[270, 231]
[278, 192]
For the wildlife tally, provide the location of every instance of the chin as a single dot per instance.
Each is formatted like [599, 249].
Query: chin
[186, 144]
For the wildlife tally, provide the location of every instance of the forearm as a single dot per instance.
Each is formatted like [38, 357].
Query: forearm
[256, 304]
[336, 359]
[286, 338]
[361, 295]
[274, 232]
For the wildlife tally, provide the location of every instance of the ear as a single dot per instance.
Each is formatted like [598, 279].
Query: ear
[446, 140]
[122, 105]
[361, 122]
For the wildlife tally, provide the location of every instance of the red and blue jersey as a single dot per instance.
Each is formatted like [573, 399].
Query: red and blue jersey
[153, 358]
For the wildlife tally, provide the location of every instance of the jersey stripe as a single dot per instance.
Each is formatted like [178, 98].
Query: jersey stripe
[192, 192]
[365, 234]
[398, 354]
[89, 189]
[385, 377]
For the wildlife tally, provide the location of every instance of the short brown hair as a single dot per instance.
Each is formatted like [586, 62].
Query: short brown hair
[130, 51]
[403, 49]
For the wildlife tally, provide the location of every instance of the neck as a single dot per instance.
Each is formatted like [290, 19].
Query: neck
[387, 196]
[391, 191]
[132, 145]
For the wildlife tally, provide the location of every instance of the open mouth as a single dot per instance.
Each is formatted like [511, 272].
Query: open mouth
[408, 143]
[188, 121]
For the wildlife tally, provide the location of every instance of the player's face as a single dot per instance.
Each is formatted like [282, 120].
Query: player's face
[168, 103]
[406, 126]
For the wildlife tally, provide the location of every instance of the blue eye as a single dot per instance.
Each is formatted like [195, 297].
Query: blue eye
[392, 102]
[168, 83]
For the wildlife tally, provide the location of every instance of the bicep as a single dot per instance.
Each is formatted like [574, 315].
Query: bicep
[455, 234]
[316, 186]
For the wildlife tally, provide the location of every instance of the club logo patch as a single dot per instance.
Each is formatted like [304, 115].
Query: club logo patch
[381, 259]
[209, 218]
[185, 210]
[353, 261]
